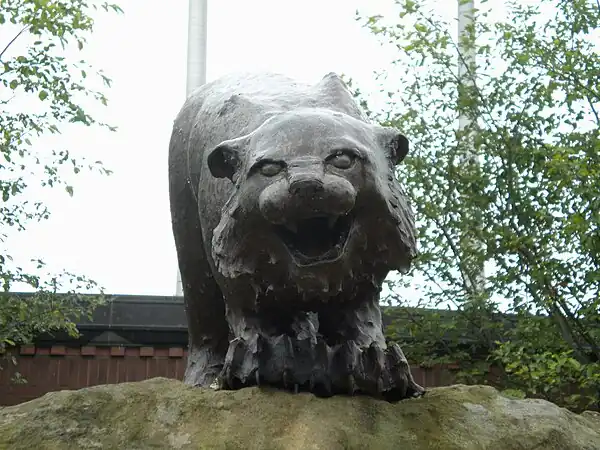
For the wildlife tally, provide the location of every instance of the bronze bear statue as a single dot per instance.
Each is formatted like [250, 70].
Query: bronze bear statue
[287, 217]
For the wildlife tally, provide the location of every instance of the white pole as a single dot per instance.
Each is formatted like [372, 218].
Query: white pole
[467, 73]
[196, 63]
[466, 63]
[196, 58]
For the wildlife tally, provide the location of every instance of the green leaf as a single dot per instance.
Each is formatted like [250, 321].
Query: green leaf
[420, 27]
[69, 189]
[43, 95]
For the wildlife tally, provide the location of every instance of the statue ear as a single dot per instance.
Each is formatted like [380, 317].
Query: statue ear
[395, 144]
[224, 160]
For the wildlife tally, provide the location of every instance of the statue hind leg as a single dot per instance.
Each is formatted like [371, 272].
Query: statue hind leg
[205, 310]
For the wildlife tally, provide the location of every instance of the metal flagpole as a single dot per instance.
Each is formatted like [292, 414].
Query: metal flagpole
[196, 63]
[196, 58]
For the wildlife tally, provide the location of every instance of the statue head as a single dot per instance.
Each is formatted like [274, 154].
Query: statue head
[315, 201]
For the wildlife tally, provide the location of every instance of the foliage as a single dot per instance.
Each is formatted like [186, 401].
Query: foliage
[515, 189]
[41, 90]
[432, 336]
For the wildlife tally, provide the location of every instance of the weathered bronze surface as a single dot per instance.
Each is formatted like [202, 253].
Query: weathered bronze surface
[287, 218]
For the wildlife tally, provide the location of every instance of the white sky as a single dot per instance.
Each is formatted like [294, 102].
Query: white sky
[117, 229]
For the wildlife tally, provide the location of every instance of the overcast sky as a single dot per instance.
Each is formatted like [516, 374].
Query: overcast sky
[117, 229]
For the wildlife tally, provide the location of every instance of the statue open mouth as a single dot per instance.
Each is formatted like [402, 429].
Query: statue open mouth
[316, 240]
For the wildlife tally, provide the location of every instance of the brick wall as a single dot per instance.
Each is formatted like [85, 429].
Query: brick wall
[59, 367]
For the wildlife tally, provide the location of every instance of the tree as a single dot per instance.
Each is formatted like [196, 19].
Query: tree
[42, 90]
[531, 194]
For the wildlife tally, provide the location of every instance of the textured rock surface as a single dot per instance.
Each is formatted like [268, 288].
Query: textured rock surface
[166, 414]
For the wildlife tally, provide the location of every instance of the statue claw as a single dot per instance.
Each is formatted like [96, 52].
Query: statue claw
[376, 371]
[285, 379]
[351, 385]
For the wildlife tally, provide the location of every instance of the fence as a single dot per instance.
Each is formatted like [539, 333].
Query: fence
[60, 367]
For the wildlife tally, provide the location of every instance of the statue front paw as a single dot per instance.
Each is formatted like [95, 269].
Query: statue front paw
[304, 365]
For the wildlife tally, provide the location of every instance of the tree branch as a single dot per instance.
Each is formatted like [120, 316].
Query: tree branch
[465, 274]
[560, 317]
[593, 108]
[12, 41]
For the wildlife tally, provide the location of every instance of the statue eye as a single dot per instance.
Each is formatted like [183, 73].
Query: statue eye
[342, 160]
[270, 169]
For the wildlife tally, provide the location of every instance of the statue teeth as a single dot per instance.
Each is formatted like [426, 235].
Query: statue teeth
[331, 221]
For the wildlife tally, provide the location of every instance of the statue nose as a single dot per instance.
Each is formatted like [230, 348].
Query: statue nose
[305, 184]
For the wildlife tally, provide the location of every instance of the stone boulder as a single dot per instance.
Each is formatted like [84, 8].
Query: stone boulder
[166, 414]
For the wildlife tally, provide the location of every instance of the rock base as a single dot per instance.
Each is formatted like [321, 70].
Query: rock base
[167, 414]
